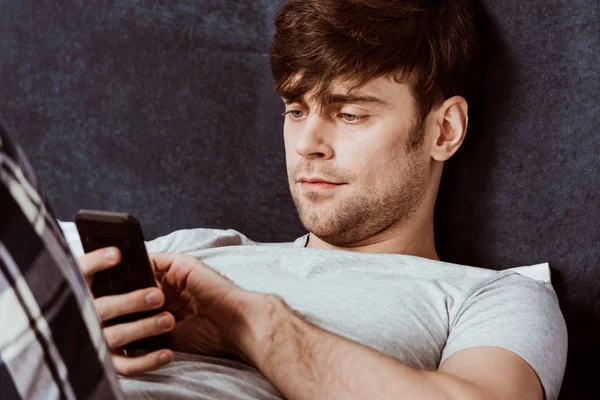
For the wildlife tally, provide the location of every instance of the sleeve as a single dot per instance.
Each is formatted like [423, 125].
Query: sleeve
[518, 314]
[51, 343]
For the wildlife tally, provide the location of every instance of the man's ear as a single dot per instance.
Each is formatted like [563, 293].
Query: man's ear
[453, 118]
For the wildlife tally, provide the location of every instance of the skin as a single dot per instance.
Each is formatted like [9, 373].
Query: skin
[388, 188]
[383, 204]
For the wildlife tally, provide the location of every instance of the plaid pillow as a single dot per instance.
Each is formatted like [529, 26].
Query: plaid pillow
[51, 342]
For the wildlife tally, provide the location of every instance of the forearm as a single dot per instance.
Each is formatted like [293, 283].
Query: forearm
[306, 362]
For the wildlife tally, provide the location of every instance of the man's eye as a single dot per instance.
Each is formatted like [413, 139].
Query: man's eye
[351, 117]
[296, 114]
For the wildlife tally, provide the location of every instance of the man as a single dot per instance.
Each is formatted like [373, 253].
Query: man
[361, 307]
[374, 95]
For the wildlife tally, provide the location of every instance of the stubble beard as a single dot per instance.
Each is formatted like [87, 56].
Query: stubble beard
[370, 210]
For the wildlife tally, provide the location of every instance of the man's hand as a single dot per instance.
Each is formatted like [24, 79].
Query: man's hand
[204, 310]
[109, 307]
[210, 310]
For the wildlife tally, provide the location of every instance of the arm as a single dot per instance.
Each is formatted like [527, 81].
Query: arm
[306, 362]
[216, 317]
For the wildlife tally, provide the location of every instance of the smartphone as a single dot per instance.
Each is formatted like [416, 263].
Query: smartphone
[99, 229]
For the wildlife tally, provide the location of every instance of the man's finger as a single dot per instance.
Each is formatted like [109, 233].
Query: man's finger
[136, 365]
[99, 260]
[162, 262]
[109, 307]
[122, 334]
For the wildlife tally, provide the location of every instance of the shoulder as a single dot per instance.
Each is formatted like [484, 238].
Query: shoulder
[509, 289]
[517, 313]
[191, 240]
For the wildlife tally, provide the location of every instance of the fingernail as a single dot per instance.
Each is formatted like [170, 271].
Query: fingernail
[163, 358]
[110, 253]
[153, 299]
[164, 322]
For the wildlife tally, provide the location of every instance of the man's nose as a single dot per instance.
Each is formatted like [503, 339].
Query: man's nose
[314, 139]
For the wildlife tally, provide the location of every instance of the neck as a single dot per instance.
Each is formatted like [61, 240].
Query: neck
[414, 237]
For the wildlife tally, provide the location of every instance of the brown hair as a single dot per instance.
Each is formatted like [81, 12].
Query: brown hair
[429, 44]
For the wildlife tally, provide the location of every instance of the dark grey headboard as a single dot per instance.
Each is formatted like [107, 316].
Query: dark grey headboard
[166, 109]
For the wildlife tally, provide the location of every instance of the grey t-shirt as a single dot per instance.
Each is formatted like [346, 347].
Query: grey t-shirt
[415, 310]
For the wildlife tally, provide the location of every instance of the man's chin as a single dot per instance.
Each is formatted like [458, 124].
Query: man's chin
[318, 216]
[321, 227]
[331, 237]
[312, 222]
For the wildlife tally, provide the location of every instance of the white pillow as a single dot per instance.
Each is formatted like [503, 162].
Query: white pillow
[72, 237]
[539, 272]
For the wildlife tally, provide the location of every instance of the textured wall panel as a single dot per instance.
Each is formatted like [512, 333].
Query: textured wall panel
[166, 109]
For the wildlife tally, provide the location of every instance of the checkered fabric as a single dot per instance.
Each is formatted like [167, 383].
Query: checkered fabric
[51, 343]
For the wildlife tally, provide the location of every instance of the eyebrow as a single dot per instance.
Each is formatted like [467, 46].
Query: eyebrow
[340, 98]
[353, 98]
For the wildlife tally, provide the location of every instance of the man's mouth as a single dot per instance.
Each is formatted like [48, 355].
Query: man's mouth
[317, 184]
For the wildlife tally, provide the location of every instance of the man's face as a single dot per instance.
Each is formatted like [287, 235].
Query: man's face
[360, 144]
